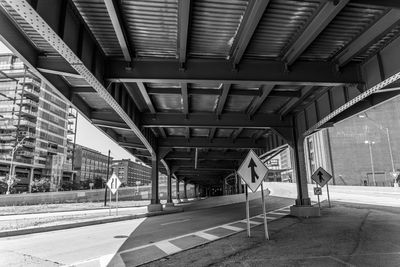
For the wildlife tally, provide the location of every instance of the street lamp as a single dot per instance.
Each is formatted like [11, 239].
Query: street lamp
[386, 129]
[370, 143]
[11, 175]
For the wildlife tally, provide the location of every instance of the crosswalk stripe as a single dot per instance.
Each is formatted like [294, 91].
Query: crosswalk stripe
[167, 247]
[233, 228]
[207, 236]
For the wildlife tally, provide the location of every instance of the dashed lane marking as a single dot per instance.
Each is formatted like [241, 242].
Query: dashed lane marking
[207, 236]
[179, 221]
[233, 228]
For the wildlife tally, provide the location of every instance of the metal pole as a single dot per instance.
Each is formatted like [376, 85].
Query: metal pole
[247, 211]
[108, 169]
[264, 212]
[327, 192]
[117, 202]
[319, 203]
[390, 148]
[372, 162]
[109, 210]
[10, 174]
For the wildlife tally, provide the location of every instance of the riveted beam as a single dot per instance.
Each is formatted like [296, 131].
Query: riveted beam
[250, 72]
[110, 124]
[252, 17]
[326, 14]
[146, 97]
[210, 155]
[185, 98]
[204, 120]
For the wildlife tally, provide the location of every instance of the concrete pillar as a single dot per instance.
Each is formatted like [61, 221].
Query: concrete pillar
[31, 180]
[302, 207]
[223, 187]
[169, 191]
[184, 198]
[155, 200]
[177, 191]
[238, 183]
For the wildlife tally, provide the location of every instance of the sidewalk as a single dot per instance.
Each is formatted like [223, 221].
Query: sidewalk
[345, 235]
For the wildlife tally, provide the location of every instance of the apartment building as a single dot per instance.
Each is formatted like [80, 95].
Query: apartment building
[34, 122]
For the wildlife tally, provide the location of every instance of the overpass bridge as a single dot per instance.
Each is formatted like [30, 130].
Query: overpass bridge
[189, 86]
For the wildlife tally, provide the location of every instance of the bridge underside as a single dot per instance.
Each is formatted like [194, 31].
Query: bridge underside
[195, 84]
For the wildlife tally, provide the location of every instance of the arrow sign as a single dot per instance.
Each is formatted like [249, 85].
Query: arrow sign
[113, 183]
[254, 175]
[321, 177]
[252, 171]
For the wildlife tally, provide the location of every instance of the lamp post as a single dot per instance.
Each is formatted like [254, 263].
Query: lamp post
[370, 143]
[11, 173]
[386, 129]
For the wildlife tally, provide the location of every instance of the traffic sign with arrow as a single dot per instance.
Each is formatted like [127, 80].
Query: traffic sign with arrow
[321, 177]
[253, 171]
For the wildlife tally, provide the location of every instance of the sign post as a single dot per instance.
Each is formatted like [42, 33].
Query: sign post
[247, 211]
[253, 171]
[113, 184]
[321, 178]
[264, 212]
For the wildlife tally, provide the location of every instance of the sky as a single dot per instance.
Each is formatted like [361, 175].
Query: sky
[89, 136]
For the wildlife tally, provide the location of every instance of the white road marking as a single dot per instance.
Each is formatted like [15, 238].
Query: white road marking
[207, 236]
[251, 222]
[233, 228]
[167, 247]
[175, 222]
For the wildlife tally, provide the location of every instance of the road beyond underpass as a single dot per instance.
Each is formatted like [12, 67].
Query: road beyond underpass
[96, 245]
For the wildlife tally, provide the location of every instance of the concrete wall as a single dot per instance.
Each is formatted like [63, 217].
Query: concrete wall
[69, 197]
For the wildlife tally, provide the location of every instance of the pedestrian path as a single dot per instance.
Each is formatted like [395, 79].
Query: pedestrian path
[150, 252]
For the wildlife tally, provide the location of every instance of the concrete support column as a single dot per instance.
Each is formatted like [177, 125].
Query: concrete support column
[185, 190]
[169, 191]
[31, 179]
[155, 200]
[223, 187]
[238, 183]
[177, 191]
[302, 207]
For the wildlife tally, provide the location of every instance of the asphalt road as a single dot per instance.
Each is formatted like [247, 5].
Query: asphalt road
[84, 243]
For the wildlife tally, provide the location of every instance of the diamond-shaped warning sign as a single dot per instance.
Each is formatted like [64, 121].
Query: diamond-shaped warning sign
[253, 171]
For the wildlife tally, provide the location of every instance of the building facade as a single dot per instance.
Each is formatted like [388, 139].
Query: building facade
[33, 128]
[90, 165]
[132, 173]
[361, 150]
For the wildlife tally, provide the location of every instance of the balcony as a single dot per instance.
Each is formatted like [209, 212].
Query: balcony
[6, 147]
[31, 81]
[7, 126]
[29, 113]
[27, 134]
[31, 92]
[27, 154]
[7, 137]
[28, 144]
[52, 150]
[29, 103]
[26, 123]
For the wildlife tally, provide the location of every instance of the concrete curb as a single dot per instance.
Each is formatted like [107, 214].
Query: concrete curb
[35, 230]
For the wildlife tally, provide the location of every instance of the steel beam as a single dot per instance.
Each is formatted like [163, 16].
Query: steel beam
[368, 37]
[204, 120]
[203, 164]
[210, 155]
[256, 104]
[305, 92]
[183, 27]
[146, 97]
[110, 124]
[381, 3]
[179, 142]
[30, 16]
[185, 98]
[116, 21]
[326, 14]
[252, 17]
[56, 65]
[222, 98]
[250, 72]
